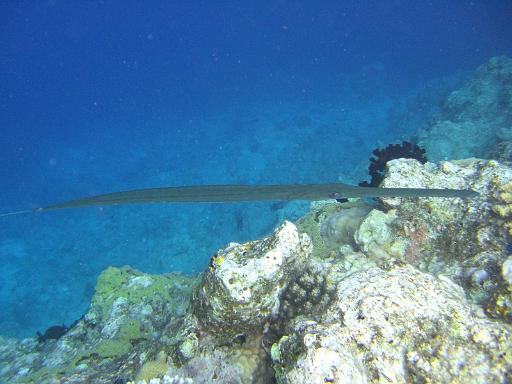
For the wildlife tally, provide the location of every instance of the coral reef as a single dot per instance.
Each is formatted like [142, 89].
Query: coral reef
[396, 290]
[475, 120]
[465, 240]
[121, 331]
[399, 326]
[454, 236]
[408, 290]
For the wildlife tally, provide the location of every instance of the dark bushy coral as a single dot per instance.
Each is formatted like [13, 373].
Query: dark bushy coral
[380, 157]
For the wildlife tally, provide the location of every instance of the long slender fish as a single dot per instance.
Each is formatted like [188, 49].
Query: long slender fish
[237, 193]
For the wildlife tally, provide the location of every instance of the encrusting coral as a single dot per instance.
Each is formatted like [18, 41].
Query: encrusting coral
[153, 369]
[503, 207]
[309, 293]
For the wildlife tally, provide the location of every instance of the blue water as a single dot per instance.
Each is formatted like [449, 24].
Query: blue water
[105, 96]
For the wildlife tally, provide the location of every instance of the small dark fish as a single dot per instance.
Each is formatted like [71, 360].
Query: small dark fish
[52, 333]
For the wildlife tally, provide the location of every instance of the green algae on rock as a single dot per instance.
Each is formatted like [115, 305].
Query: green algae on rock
[125, 322]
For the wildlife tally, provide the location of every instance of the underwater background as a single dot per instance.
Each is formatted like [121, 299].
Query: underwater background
[113, 95]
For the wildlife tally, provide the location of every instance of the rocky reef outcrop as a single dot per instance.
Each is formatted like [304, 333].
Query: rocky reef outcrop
[125, 323]
[240, 292]
[397, 325]
[476, 119]
[466, 240]
[399, 290]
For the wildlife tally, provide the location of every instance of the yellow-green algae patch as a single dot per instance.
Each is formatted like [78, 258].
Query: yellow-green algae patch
[136, 287]
[129, 333]
[127, 303]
